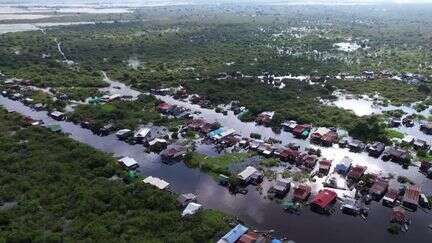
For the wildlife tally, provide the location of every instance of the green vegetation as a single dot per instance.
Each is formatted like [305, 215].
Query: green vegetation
[255, 135]
[395, 91]
[63, 191]
[394, 228]
[173, 48]
[270, 162]
[298, 176]
[123, 114]
[215, 165]
[390, 133]
[394, 113]
[424, 156]
[80, 93]
[369, 129]
[404, 179]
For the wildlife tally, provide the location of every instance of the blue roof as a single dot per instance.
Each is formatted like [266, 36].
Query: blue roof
[216, 132]
[342, 168]
[276, 241]
[234, 234]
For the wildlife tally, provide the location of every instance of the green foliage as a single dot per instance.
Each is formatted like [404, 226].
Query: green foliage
[214, 165]
[369, 129]
[404, 179]
[394, 113]
[394, 228]
[390, 133]
[397, 91]
[424, 155]
[271, 162]
[192, 51]
[255, 135]
[299, 176]
[63, 191]
[122, 114]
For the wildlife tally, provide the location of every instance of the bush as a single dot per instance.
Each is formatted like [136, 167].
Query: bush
[394, 228]
[255, 135]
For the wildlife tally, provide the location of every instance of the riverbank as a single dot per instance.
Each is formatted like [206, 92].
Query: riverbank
[261, 213]
[65, 190]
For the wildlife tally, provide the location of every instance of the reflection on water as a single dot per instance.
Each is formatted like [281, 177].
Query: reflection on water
[364, 105]
[360, 107]
[9, 28]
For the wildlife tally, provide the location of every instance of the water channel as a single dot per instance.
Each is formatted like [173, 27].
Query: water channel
[253, 208]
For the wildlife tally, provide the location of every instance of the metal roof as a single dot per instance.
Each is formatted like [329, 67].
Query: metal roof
[234, 234]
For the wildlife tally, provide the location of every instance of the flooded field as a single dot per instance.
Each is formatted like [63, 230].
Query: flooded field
[10, 28]
[253, 207]
[22, 16]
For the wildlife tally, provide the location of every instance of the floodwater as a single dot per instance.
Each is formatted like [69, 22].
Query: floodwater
[22, 16]
[253, 208]
[365, 106]
[93, 10]
[9, 28]
[118, 88]
[60, 8]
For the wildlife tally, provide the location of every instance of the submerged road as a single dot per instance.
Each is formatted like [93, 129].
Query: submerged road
[255, 210]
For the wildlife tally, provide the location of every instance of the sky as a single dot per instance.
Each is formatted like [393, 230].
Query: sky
[173, 2]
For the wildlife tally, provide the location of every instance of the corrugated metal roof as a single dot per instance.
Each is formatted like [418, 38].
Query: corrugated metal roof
[157, 182]
[233, 235]
[245, 174]
[127, 161]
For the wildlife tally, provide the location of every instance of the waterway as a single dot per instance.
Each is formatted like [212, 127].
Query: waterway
[253, 208]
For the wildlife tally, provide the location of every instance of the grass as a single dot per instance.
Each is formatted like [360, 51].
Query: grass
[270, 162]
[424, 156]
[299, 176]
[214, 165]
[390, 133]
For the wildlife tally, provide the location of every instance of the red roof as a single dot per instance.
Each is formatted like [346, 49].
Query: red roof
[310, 161]
[356, 172]
[379, 187]
[28, 120]
[196, 123]
[330, 137]
[301, 192]
[325, 164]
[289, 153]
[164, 106]
[398, 215]
[249, 237]
[412, 194]
[324, 198]
[299, 129]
